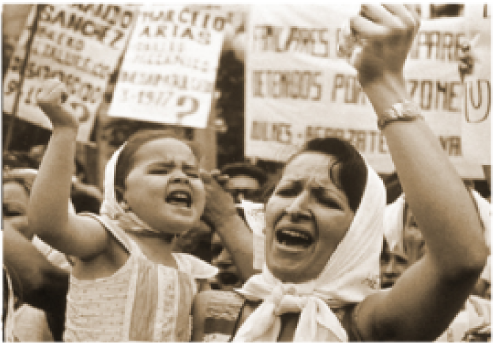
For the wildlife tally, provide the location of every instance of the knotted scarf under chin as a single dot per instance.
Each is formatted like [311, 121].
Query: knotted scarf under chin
[350, 275]
[316, 322]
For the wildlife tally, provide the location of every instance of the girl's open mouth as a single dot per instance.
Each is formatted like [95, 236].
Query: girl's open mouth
[180, 198]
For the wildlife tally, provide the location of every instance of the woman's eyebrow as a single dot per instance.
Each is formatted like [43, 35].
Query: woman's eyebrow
[326, 185]
[290, 181]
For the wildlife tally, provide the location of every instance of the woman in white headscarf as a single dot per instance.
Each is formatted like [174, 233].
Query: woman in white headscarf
[323, 241]
[403, 238]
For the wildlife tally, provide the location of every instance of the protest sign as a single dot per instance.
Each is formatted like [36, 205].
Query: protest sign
[78, 44]
[169, 70]
[297, 88]
[476, 121]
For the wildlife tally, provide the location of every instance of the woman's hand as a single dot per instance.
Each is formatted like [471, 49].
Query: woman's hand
[386, 33]
[52, 101]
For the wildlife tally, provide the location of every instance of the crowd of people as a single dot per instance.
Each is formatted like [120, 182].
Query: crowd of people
[165, 253]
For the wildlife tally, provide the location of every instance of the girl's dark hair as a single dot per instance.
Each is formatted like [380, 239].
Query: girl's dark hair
[352, 171]
[125, 160]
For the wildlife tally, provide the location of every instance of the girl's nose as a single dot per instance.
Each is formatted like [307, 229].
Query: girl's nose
[179, 177]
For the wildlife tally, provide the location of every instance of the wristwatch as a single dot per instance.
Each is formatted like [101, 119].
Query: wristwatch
[401, 111]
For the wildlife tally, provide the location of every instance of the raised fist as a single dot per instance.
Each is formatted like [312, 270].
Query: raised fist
[52, 101]
[385, 34]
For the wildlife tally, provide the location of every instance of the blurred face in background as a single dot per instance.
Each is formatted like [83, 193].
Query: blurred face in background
[392, 265]
[227, 279]
[242, 187]
[14, 207]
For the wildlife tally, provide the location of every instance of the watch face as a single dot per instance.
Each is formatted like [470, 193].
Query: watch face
[402, 111]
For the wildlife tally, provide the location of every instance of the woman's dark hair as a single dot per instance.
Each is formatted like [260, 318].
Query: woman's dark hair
[352, 171]
[126, 158]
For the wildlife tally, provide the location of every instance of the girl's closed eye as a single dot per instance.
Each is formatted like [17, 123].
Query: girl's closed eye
[192, 172]
[159, 171]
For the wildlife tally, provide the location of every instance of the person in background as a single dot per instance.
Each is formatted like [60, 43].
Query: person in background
[243, 181]
[17, 159]
[85, 197]
[392, 265]
[29, 278]
[404, 245]
[30, 322]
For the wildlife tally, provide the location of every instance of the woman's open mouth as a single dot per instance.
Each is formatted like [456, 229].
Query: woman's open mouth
[294, 239]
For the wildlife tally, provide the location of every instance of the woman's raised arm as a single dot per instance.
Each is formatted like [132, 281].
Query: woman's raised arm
[431, 292]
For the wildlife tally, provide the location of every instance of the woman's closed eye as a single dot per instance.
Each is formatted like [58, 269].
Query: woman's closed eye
[290, 190]
[326, 199]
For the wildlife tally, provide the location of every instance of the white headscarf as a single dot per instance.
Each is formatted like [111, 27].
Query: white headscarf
[110, 206]
[351, 274]
[484, 209]
[394, 225]
[393, 220]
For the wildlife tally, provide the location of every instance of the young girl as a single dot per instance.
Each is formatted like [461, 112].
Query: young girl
[126, 284]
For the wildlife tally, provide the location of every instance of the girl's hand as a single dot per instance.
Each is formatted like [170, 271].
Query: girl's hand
[52, 101]
[386, 33]
[219, 203]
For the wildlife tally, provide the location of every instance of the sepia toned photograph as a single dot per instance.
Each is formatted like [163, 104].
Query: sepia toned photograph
[246, 172]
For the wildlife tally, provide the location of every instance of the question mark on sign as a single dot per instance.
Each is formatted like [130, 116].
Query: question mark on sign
[194, 106]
